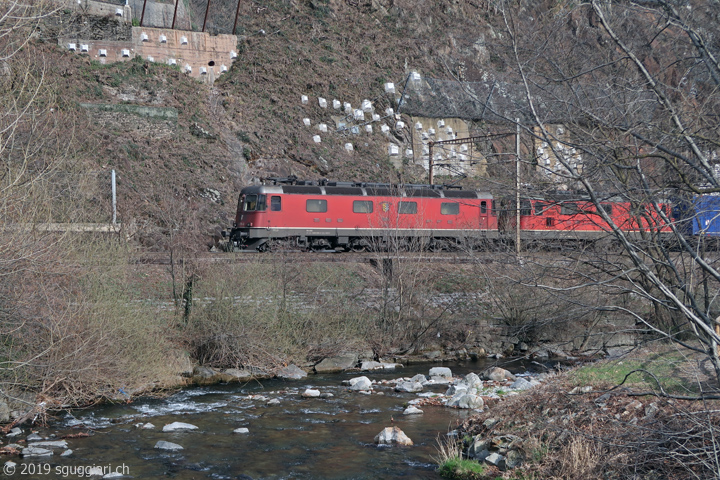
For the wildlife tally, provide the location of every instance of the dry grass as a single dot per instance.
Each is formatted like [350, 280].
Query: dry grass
[587, 436]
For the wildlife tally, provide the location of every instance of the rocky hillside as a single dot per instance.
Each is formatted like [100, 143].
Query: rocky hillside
[187, 172]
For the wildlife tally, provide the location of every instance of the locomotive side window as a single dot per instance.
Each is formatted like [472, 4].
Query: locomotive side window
[568, 209]
[316, 206]
[483, 207]
[539, 208]
[450, 208]
[362, 206]
[525, 208]
[494, 210]
[261, 205]
[275, 204]
[607, 208]
[407, 207]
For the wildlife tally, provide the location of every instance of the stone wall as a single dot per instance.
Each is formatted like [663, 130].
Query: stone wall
[200, 55]
[450, 160]
[150, 122]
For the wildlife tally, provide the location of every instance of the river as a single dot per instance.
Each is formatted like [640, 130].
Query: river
[293, 437]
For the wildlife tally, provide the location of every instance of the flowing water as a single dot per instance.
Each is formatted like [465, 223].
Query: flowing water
[296, 438]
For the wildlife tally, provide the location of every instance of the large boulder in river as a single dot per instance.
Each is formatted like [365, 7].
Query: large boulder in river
[360, 383]
[292, 372]
[437, 373]
[497, 374]
[391, 435]
[410, 387]
[466, 400]
[337, 364]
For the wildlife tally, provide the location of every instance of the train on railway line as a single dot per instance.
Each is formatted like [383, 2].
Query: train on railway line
[357, 216]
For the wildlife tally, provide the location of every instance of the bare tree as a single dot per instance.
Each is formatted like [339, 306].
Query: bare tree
[635, 85]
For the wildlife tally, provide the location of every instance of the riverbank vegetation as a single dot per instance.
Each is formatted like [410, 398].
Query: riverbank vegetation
[632, 417]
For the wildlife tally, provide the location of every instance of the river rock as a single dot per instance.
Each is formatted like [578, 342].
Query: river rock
[496, 459]
[51, 444]
[466, 400]
[478, 449]
[372, 365]
[455, 389]
[163, 445]
[273, 401]
[239, 374]
[419, 378]
[409, 387]
[412, 410]
[521, 384]
[241, 430]
[15, 432]
[514, 459]
[497, 374]
[441, 372]
[336, 364]
[292, 372]
[113, 475]
[472, 380]
[66, 453]
[360, 383]
[34, 437]
[34, 451]
[178, 427]
[391, 435]
[148, 426]
[311, 393]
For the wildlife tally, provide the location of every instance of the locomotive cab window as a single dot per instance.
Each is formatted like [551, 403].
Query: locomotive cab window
[450, 208]
[362, 206]
[316, 206]
[607, 208]
[275, 204]
[483, 207]
[254, 203]
[539, 208]
[407, 207]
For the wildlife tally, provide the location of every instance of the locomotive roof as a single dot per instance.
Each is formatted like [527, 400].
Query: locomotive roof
[367, 189]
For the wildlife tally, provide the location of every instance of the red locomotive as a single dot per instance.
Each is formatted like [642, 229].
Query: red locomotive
[359, 216]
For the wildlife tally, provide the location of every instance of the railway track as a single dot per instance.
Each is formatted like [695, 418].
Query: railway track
[330, 256]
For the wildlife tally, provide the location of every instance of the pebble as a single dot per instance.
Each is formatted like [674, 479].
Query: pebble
[241, 430]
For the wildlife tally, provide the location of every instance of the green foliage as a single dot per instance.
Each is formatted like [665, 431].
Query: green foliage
[460, 469]
[669, 367]
[135, 22]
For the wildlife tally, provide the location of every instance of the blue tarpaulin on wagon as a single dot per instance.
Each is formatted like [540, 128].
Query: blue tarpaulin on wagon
[707, 216]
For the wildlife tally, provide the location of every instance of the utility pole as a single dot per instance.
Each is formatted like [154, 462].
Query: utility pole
[517, 186]
[114, 198]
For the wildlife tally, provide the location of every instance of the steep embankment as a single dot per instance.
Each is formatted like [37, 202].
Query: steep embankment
[249, 124]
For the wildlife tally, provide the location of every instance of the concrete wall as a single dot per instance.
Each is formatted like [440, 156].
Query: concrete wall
[157, 14]
[190, 51]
